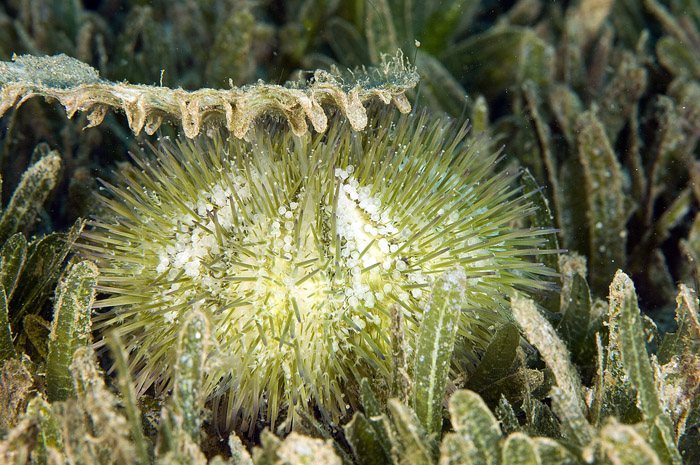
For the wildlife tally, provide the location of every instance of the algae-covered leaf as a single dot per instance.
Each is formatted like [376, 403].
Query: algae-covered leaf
[15, 388]
[107, 428]
[622, 445]
[435, 345]
[305, 450]
[50, 436]
[12, 257]
[454, 450]
[553, 452]
[70, 328]
[635, 359]
[411, 444]
[374, 416]
[663, 440]
[365, 441]
[45, 258]
[638, 368]
[193, 348]
[29, 196]
[687, 335]
[7, 348]
[575, 325]
[126, 388]
[519, 449]
[519, 52]
[569, 405]
[506, 415]
[401, 382]
[607, 215]
[497, 359]
[474, 422]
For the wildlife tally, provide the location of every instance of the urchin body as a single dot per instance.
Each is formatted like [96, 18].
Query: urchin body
[297, 247]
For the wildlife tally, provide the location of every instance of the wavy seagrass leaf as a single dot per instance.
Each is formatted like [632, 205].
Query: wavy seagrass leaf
[411, 444]
[474, 423]
[37, 182]
[366, 443]
[45, 258]
[497, 359]
[70, 328]
[12, 257]
[434, 347]
[519, 449]
[7, 348]
[401, 382]
[569, 405]
[622, 93]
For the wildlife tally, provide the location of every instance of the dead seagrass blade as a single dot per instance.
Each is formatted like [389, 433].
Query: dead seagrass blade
[78, 87]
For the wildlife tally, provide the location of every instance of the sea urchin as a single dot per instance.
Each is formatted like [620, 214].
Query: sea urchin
[296, 247]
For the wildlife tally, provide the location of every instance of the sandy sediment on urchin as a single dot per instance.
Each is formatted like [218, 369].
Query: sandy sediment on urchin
[296, 247]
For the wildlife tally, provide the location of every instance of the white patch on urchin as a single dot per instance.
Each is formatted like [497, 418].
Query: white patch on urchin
[297, 247]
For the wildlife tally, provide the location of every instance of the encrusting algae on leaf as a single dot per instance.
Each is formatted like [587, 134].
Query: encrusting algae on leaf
[295, 247]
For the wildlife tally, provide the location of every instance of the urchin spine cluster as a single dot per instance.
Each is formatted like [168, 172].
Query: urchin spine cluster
[296, 247]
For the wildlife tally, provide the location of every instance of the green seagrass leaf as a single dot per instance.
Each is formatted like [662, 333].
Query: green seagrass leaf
[50, 435]
[45, 258]
[498, 358]
[434, 347]
[568, 403]
[366, 443]
[374, 416]
[474, 422]
[12, 256]
[411, 445]
[29, 196]
[552, 452]
[687, 335]
[129, 401]
[7, 348]
[519, 449]
[70, 328]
